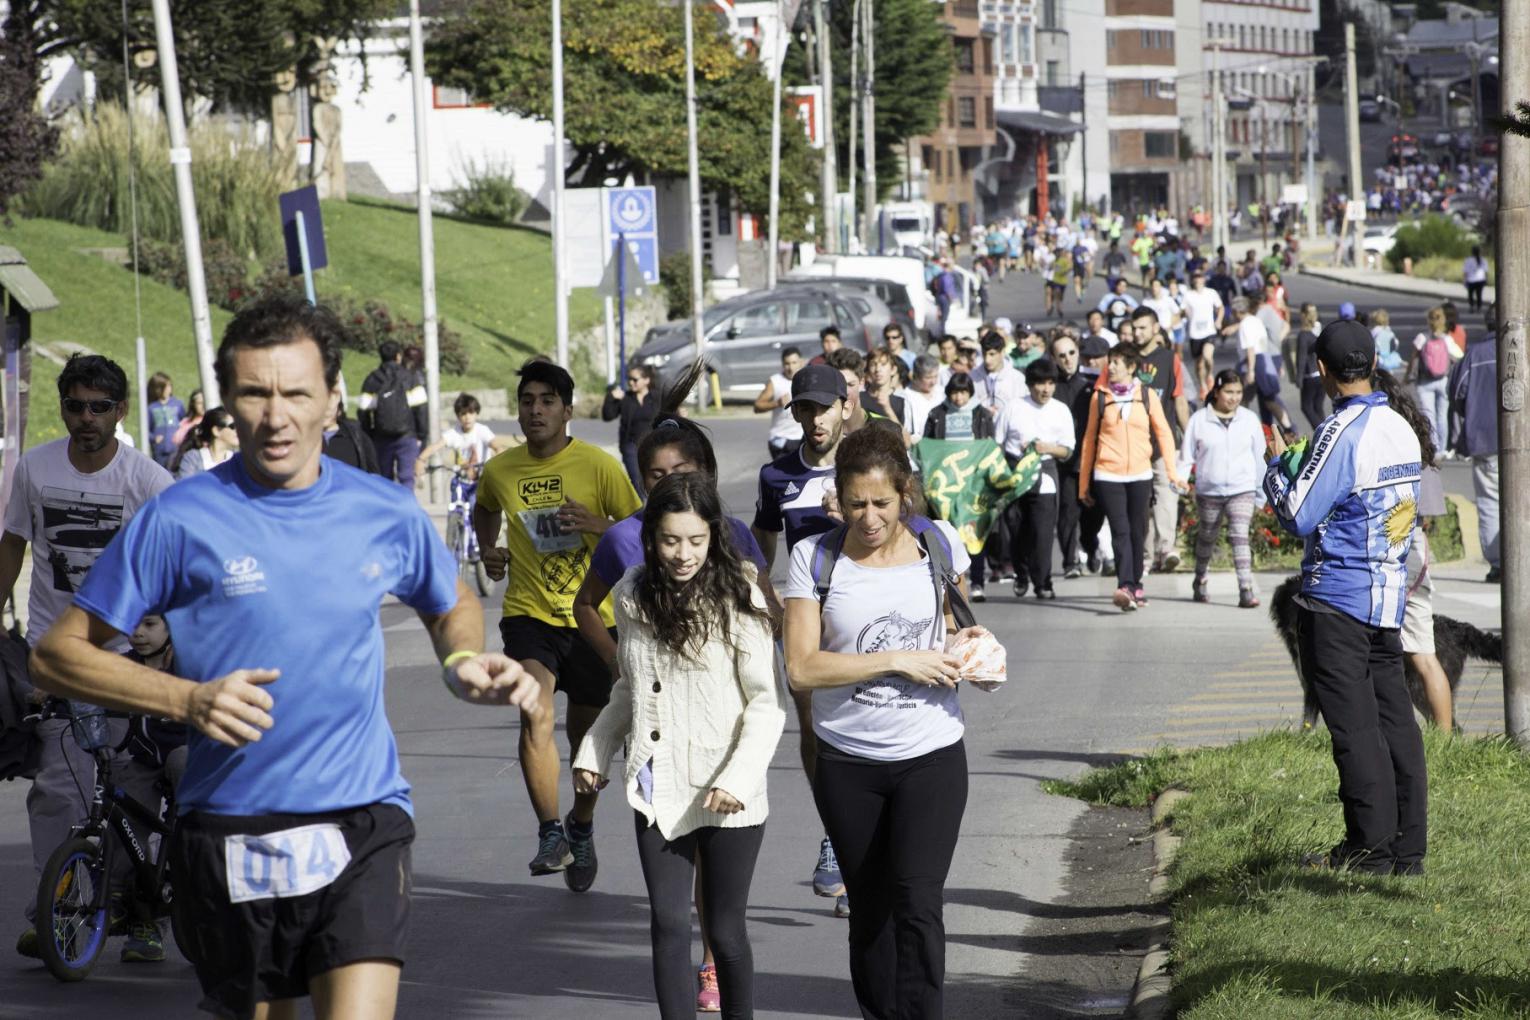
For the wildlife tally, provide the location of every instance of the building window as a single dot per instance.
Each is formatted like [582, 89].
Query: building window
[987, 55]
[966, 112]
[1166, 88]
[927, 158]
[1115, 144]
[1159, 144]
[1112, 89]
[1007, 44]
[1148, 91]
[1052, 72]
[1049, 14]
[965, 59]
[1110, 40]
[988, 112]
[1026, 55]
[1242, 37]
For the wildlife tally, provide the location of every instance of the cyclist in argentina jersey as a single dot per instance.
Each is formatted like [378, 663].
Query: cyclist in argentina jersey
[559, 495]
[292, 852]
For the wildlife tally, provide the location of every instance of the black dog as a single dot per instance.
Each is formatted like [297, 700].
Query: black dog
[1454, 643]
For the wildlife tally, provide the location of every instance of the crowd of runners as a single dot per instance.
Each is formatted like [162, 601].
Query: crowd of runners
[629, 588]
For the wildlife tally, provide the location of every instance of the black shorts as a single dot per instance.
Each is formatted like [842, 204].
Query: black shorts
[1199, 344]
[1059, 287]
[256, 951]
[572, 662]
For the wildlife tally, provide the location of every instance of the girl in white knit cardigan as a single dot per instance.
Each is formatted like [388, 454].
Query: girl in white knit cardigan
[699, 709]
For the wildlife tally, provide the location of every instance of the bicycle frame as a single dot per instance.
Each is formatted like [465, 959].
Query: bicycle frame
[461, 507]
[110, 811]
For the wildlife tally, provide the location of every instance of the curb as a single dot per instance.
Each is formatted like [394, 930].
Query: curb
[1395, 283]
[1150, 995]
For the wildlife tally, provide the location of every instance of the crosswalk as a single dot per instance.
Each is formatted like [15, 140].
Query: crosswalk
[1261, 693]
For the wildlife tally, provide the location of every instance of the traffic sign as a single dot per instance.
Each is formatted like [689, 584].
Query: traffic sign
[632, 213]
[303, 203]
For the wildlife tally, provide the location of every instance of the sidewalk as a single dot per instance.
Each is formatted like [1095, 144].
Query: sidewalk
[1399, 283]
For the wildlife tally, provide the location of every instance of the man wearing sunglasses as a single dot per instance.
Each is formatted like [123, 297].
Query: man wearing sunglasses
[69, 498]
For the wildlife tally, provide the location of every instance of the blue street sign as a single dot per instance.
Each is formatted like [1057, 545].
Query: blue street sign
[631, 213]
[303, 201]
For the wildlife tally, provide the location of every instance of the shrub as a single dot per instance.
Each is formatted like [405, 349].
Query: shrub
[367, 323]
[490, 194]
[675, 278]
[1434, 235]
[87, 184]
[227, 272]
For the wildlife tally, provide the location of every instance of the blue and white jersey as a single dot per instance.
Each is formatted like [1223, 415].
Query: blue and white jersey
[791, 498]
[255, 578]
[1354, 498]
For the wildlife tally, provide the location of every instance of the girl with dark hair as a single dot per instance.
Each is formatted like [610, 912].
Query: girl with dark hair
[1418, 614]
[1314, 400]
[675, 446]
[636, 407]
[891, 774]
[1224, 445]
[213, 442]
[1125, 417]
[165, 413]
[698, 699]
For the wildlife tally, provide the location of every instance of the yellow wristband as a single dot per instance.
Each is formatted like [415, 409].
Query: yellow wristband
[456, 657]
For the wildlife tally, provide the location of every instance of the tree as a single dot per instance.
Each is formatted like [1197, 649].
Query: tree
[1329, 42]
[914, 64]
[624, 92]
[27, 140]
[228, 51]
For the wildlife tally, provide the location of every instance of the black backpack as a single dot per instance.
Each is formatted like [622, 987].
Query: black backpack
[392, 415]
[937, 551]
[18, 749]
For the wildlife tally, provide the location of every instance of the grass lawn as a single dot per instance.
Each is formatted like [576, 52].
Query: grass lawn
[1256, 936]
[493, 285]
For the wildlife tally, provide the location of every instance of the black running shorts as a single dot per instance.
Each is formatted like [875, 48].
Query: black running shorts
[573, 663]
[264, 949]
[1198, 344]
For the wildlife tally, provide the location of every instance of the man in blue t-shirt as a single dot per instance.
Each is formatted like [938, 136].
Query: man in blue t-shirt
[292, 852]
[795, 492]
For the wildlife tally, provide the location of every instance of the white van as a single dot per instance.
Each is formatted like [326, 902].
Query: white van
[906, 224]
[962, 319]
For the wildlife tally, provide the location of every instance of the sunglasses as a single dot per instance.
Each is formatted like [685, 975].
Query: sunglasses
[98, 407]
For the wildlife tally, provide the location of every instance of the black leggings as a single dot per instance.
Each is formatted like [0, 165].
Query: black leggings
[894, 826]
[669, 870]
[1034, 527]
[1312, 401]
[1474, 295]
[1126, 507]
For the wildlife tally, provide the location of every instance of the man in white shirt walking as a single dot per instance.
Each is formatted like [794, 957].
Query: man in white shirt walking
[785, 434]
[1048, 424]
[920, 397]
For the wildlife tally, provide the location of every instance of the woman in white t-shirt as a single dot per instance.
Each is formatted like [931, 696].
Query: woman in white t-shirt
[891, 775]
[1474, 273]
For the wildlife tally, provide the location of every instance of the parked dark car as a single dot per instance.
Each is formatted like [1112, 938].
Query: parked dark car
[1370, 110]
[746, 334]
[894, 295]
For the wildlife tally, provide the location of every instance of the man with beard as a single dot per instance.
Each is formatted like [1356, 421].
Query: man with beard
[69, 499]
[794, 491]
[559, 496]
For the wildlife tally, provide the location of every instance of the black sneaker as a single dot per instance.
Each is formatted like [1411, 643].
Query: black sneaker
[1494, 576]
[1108, 567]
[1021, 586]
[1046, 593]
[1093, 563]
[1198, 590]
[579, 875]
[552, 853]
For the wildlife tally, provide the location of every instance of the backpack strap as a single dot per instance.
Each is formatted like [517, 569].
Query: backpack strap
[938, 549]
[825, 555]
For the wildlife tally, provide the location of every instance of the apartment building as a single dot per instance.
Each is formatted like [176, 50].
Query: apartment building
[1142, 88]
[951, 155]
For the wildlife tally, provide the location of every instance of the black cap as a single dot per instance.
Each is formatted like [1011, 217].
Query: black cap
[1092, 347]
[1339, 339]
[820, 384]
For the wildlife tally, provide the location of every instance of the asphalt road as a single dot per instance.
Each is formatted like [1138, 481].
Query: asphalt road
[1044, 901]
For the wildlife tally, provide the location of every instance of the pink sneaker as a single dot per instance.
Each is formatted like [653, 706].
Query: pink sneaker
[708, 998]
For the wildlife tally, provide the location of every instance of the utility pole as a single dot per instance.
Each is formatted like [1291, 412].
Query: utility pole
[1264, 144]
[186, 200]
[829, 176]
[1219, 235]
[851, 233]
[560, 254]
[427, 243]
[1356, 190]
[1513, 288]
[778, 54]
[1312, 184]
[869, 126]
[698, 337]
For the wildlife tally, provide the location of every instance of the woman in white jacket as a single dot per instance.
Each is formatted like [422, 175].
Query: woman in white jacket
[1225, 444]
[699, 707]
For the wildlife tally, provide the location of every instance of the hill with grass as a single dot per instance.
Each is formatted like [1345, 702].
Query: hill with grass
[493, 287]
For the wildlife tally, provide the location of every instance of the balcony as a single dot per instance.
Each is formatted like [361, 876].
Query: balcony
[1139, 8]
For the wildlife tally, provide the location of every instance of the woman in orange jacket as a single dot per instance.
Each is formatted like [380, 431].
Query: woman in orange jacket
[1125, 420]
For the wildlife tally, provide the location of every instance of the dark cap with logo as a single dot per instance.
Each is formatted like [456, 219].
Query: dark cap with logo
[1092, 347]
[819, 384]
[1342, 338]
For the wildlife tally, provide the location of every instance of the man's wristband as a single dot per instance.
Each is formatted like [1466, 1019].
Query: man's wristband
[449, 669]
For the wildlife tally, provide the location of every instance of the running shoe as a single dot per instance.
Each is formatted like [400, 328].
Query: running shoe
[1108, 567]
[145, 944]
[1140, 597]
[552, 853]
[1093, 562]
[1046, 593]
[1124, 600]
[1494, 576]
[1022, 585]
[708, 997]
[1170, 562]
[842, 905]
[26, 945]
[1247, 599]
[827, 881]
[1073, 573]
[1199, 591]
[978, 595]
[580, 874]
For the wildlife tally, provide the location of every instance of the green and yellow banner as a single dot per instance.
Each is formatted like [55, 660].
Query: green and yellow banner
[969, 483]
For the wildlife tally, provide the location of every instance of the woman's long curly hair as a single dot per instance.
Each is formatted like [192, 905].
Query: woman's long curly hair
[685, 616]
[1399, 400]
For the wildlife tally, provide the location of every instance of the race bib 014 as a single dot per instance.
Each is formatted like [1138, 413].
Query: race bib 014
[293, 862]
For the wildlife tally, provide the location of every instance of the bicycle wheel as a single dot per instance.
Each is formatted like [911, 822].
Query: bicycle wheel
[72, 909]
[454, 539]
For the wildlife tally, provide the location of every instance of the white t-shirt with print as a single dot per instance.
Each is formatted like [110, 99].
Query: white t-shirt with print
[476, 441]
[875, 609]
[69, 517]
[1252, 336]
